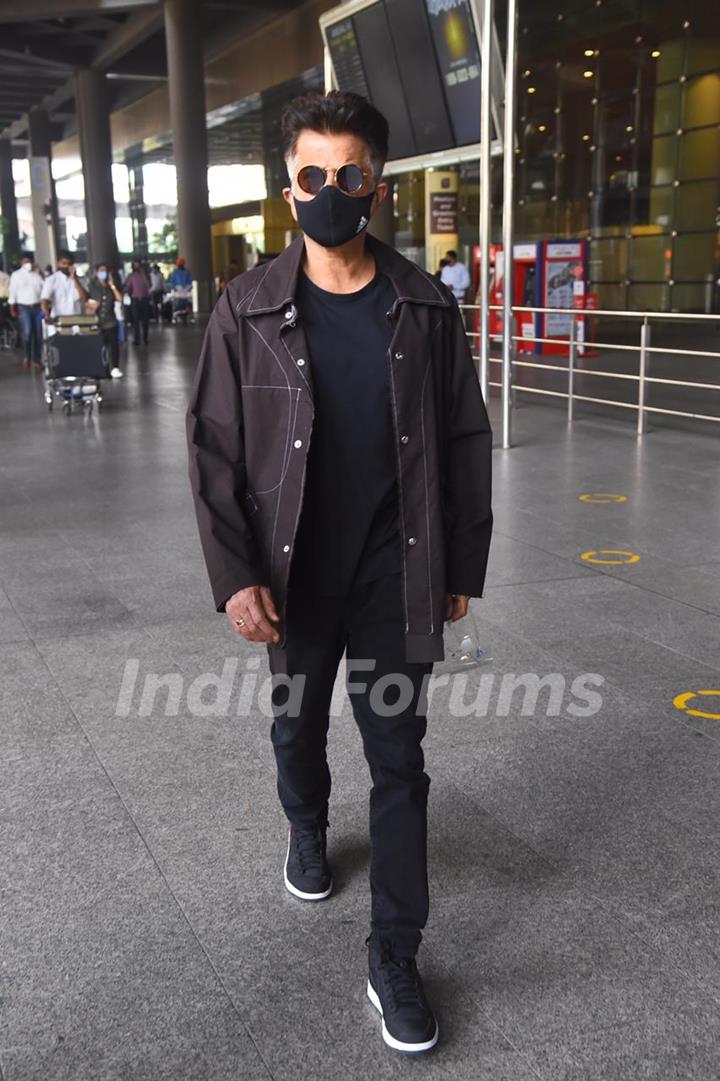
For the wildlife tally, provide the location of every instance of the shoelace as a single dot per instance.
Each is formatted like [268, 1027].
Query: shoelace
[402, 979]
[308, 847]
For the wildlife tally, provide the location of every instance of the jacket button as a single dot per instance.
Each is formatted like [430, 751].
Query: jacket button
[286, 548]
[289, 313]
[412, 540]
[298, 443]
[404, 438]
[300, 361]
[399, 356]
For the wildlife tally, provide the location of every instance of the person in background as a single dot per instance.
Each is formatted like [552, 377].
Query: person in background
[157, 290]
[26, 287]
[181, 278]
[63, 292]
[137, 288]
[441, 266]
[456, 276]
[4, 284]
[181, 284]
[103, 294]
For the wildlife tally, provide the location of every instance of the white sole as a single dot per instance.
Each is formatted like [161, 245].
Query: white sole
[299, 893]
[398, 1045]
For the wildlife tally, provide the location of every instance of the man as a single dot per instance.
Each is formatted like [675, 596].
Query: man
[157, 290]
[181, 278]
[365, 543]
[25, 292]
[63, 293]
[456, 276]
[181, 285]
[137, 288]
[103, 295]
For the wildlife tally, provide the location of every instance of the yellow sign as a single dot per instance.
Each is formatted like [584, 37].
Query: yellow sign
[602, 497]
[598, 556]
[681, 700]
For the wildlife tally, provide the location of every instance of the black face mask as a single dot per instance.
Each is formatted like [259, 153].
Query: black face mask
[65, 270]
[332, 218]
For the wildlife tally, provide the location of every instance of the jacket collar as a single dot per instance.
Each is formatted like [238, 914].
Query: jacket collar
[278, 284]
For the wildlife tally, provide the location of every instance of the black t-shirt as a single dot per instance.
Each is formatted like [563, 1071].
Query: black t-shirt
[349, 531]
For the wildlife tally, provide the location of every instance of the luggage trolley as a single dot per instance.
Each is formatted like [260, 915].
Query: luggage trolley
[181, 304]
[76, 361]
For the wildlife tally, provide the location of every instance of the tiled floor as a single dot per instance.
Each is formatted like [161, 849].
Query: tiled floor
[575, 860]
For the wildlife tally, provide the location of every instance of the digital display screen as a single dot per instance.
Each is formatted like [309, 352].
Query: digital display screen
[418, 61]
[383, 76]
[419, 75]
[458, 59]
[345, 57]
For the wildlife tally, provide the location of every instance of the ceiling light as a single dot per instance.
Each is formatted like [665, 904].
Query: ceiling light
[542, 127]
[589, 52]
[586, 138]
[588, 74]
[531, 90]
[655, 54]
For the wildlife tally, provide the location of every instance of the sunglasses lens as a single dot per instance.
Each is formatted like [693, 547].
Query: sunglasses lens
[350, 179]
[311, 179]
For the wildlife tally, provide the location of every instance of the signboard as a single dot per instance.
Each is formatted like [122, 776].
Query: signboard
[443, 212]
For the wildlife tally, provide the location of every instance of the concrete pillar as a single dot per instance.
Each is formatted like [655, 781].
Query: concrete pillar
[93, 110]
[42, 189]
[186, 87]
[8, 206]
[136, 205]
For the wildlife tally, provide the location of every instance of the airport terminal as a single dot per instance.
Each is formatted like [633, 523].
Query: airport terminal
[336, 338]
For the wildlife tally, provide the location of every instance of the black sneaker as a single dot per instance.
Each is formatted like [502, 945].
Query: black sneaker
[307, 874]
[396, 990]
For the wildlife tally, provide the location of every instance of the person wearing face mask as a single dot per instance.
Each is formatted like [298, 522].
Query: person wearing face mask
[24, 297]
[340, 465]
[103, 294]
[63, 293]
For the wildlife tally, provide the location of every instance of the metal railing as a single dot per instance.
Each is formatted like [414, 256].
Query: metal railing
[575, 347]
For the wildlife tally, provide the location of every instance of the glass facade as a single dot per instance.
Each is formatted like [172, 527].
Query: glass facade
[618, 129]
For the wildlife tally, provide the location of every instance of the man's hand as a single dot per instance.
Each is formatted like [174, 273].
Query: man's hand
[252, 613]
[457, 606]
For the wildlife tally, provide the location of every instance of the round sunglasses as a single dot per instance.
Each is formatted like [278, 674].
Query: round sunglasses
[349, 178]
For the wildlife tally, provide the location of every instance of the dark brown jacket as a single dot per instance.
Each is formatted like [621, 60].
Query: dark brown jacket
[250, 422]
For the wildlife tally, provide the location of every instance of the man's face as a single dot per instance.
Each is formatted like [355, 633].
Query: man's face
[330, 152]
[452, 260]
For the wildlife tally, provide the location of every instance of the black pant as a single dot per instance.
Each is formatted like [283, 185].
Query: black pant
[369, 625]
[140, 317]
[110, 341]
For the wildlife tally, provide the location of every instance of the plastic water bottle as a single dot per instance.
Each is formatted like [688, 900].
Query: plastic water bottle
[470, 652]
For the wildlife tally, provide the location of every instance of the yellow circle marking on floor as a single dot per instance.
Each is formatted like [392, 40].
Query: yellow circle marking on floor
[681, 700]
[602, 497]
[597, 556]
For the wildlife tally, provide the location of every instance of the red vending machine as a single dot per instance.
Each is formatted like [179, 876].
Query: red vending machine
[564, 285]
[526, 286]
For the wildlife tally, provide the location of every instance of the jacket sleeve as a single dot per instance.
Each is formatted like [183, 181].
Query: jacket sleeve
[468, 468]
[217, 460]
